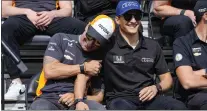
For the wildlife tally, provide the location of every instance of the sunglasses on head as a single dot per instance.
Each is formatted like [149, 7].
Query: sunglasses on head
[96, 42]
[136, 14]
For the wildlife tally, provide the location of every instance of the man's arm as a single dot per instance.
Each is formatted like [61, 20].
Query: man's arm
[65, 9]
[148, 93]
[162, 8]
[80, 85]
[80, 89]
[189, 79]
[53, 69]
[96, 96]
[161, 69]
[9, 10]
[165, 81]
[201, 72]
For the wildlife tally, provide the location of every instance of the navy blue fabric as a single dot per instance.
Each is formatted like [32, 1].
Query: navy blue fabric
[193, 51]
[133, 103]
[189, 50]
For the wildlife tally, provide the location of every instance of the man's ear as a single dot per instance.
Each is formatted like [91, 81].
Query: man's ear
[117, 20]
[86, 28]
[205, 17]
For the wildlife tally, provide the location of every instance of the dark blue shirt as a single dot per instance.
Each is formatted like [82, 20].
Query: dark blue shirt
[189, 50]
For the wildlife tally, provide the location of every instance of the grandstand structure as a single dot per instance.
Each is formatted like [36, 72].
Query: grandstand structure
[32, 55]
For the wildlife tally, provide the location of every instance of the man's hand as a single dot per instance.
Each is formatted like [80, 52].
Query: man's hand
[67, 99]
[81, 106]
[32, 16]
[92, 67]
[191, 15]
[45, 18]
[42, 28]
[148, 93]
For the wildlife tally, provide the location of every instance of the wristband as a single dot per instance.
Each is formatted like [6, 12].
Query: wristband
[182, 12]
[205, 71]
[82, 68]
[78, 100]
[159, 88]
[85, 98]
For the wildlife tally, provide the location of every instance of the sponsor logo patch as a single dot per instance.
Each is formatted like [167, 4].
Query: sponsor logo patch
[196, 51]
[178, 57]
[147, 59]
[118, 59]
[68, 57]
[51, 48]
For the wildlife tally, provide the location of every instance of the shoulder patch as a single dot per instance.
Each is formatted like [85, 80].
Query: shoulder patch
[178, 57]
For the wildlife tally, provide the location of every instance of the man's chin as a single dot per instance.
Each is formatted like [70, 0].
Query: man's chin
[84, 48]
[132, 32]
[87, 50]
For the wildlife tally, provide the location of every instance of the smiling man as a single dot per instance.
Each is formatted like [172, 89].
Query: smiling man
[130, 65]
[190, 57]
[68, 56]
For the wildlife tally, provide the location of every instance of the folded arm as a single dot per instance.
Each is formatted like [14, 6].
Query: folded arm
[162, 8]
[53, 69]
[191, 79]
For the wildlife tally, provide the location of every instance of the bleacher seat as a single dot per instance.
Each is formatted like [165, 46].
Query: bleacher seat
[38, 40]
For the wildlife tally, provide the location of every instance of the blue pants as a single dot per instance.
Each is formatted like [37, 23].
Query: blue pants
[133, 103]
[198, 101]
[52, 104]
[176, 26]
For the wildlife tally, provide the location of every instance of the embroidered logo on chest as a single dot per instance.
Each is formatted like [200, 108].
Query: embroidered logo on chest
[196, 51]
[118, 59]
[68, 57]
[144, 59]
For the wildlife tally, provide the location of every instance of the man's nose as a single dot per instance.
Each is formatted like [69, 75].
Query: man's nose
[133, 19]
[90, 42]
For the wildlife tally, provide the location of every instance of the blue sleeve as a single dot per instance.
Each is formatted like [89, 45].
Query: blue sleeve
[181, 55]
[54, 48]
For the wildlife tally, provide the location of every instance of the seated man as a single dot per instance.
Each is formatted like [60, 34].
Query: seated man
[178, 16]
[27, 18]
[68, 56]
[130, 64]
[190, 57]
